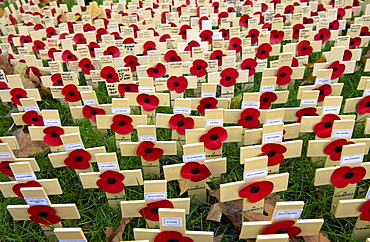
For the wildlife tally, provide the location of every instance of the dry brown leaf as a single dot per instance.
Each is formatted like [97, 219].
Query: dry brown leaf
[367, 55]
[357, 67]
[255, 216]
[215, 193]
[27, 147]
[95, 11]
[63, 18]
[183, 183]
[13, 110]
[321, 60]
[1, 12]
[36, 80]
[233, 212]
[309, 80]
[115, 234]
[215, 213]
[270, 204]
[218, 238]
[5, 64]
[316, 238]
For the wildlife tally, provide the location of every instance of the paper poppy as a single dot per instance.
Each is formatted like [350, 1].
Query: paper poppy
[179, 123]
[215, 6]
[266, 99]
[12, 19]
[43, 214]
[122, 124]
[63, 36]
[79, 39]
[190, 46]
[164, 37]
[131, 61]
[156, 71]
[25, 39]
[71, 93]
[148, 46]
[67, 56]
[276, 36]
[91, 112]
[285, 227]
[171, 236]
[235, 44]
[17, 187]
[338, 69]
[340, 13]
[364, 31]
[363, 106]
[284, 75]
[129, 41]
[232, 10]
[78, 159]
[334, 25]
[345, 175]
[88, 27]
[253, 34]
[274, 152]
[32, 117]
[171, 56]
[228, 77]
[92, 47]
[334, 148]
[52, 135]
[295, 62]
[206, 35]
[148, 151]
[113, 51]
[213, 138]
[5, 167]
[51, 52]
[37, 46]
[70, 26]
[17, 94]
[221, 16]
[289, 9]
[323, 35]
[148, 102]
[123, 88]
[100, 32]
[177, 84]
[199, 68]
[111, 181]
[4, 86]
[217, 55]
[257, 191]
[263, 51]
[150, 212]
[347, 55]
[304, 48]
[86, 66]
[243, 21]
[225, 34]
[267, 26]
[195, 171]
[34, 70]
[183, 30]
[57, 80]
[365, 211]
[307, 20]
[249, 118]
[311, 111]
[325, 90]
[295, 32]
[109, 74]
[323, 129]
[249, 64]
[280, 16]
[207, 103]
[354, 42]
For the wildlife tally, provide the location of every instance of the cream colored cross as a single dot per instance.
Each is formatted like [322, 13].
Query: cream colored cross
[351, 103]
[70, 234]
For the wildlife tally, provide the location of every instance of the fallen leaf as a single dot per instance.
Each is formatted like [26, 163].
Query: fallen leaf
[115, 234]
[183, 183]
[235, 101]
[316, 238]
[309, 80]
[94, 11]
[218, 238]
[367, 55]
[63, 18]
[27, 147]
[321, 60]
[20, 68]
[36, 80]
[28, 84]
[255, 216]
[1, 12]
[215, 213]
[270, 204]
[233, 212]
[13, 110]
[5, 64]
[357, 67]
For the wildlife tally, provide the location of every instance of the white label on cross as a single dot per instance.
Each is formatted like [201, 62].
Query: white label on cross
[147, 138]
[74, 146]
[350, 159]
[206, 25]
[5, 155]
[287, 214]
[181, 110]
[121, 110]
[36, 201]
[323, 80]
[217, 35]
[342, 133]
[367, 92]
[331, 109]
[194, 157]
[214, 122]
[368, 194]
[30, 108]
[146, 89]
[54, 122]
[250, 105]
[267, 88]
[90, 101]
[208, 94]
[25, 176]
[108, 166]
[273, 137]
[274, 120]
[174, 222]
[155, 195]
[255, 173]
[308, 101]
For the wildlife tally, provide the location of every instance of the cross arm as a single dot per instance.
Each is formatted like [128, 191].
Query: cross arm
[349, 208]
[64, 211]
[51, 187]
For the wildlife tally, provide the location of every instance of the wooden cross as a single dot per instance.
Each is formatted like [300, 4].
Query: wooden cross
[11, 141]
[263, 100]
[70, 234]
[155, 196]
[255, 186]
[359, 104]
[325, 90]
[285, 219]
[110, 178]
[195, 169]
[172, 226]
[176, 83]
[146, 147]
[44, 117]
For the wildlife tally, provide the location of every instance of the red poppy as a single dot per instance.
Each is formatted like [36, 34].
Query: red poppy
[228, 77]
[365, 211]
[354, 42]
[289, 9]
[100, 32]
[206, 35]
[364, 31]
[274, 152]
[207, 103]
[177, 84]
[4, 86]
[148, 151]
[323, 129]
[334, 148]
[32, 117]
[70, 26]
[150, 212]
[325, 90]
[221, 16]
[304, 48]
[35, 71]
[213, 138]
[92, 47]
[267, 26]
[78, 159]
[283, 75]
[63, 36]
[171, 236]
[340, 13]
[164, 37]
[111, 182]
[71, 93]
[191, 45]
[266, 99]
[88, 27]
[156, 71]
[79, 39]
[68, 56]
[305, 112]
[323, 35]
[276, 36]
[171, 56]
[307, 20]
[91, 112]
[86, 66]
[195, 171]
[123, 88]
[122, 124]
[25, 39]
[295, 62]
[217, 55]
[199, 68]
[235, 44]
[12, 19]
[296, 28]
[17, 187]
[249, 118]
[262, 18]
[17, 94]
[51, 52]
[249, 64]
[280, 16]
[253, 34]
[43, 214]
[10, 38]
[149, 45]
[113, 51]
[338, 69]
[347, 56]
[363, 106]
[225, 34]
[345, 175]
[109, 74]
[148, 102]
[129, 41]
[283, 227]
[179, 123]
[5, 167]
[334, 25]
[183, 30]
[52, 135]
[131, 61]
[263, 51]
[37, 46]
[257, 191]
[243, 21]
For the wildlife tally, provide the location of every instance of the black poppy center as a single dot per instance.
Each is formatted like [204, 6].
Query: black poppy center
[155, 210]
[180, 123]
[109, 75]
[282, 231]
[87, 65]
[150, 48]
[38, 46]
[255, 189]
[349, 175]
[266, 99]
[7, 167]
[127, 89]
[59, 81]
[249, 117]
[328, 124]
[289, 11]
[207, 105]
[271, 153]
[322, 36]
[246, 21]
[214, 136]
[263, 51]
[79, 39]
[352, 42]
[18, 96]
[297, 30]
[110, 52]
[173, 240]
[121, 123]
[363, 33]
[43, 214]
[367, 104]
[321, 92]
[69, 57]
[25, 41]
[218, 57]
[148, 150]
[283, 74]
[235, 45]
[146, 100]
[304, 48]
[228, 78]
[172, 58]
[176, 84]
[338, 149]
[206, 37]
[248, 68]
[131, 62]
[54, 134]
[155, 70]
[306, 114]
[35, 119]
[224, 34]
[93, 112]
[195, 171]
[88, 29]
[199, 67]
[253, 35]
[78, 158]
[111, 180]
[305, 22]
[338, 15]
[335, 68]
[51, 32]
